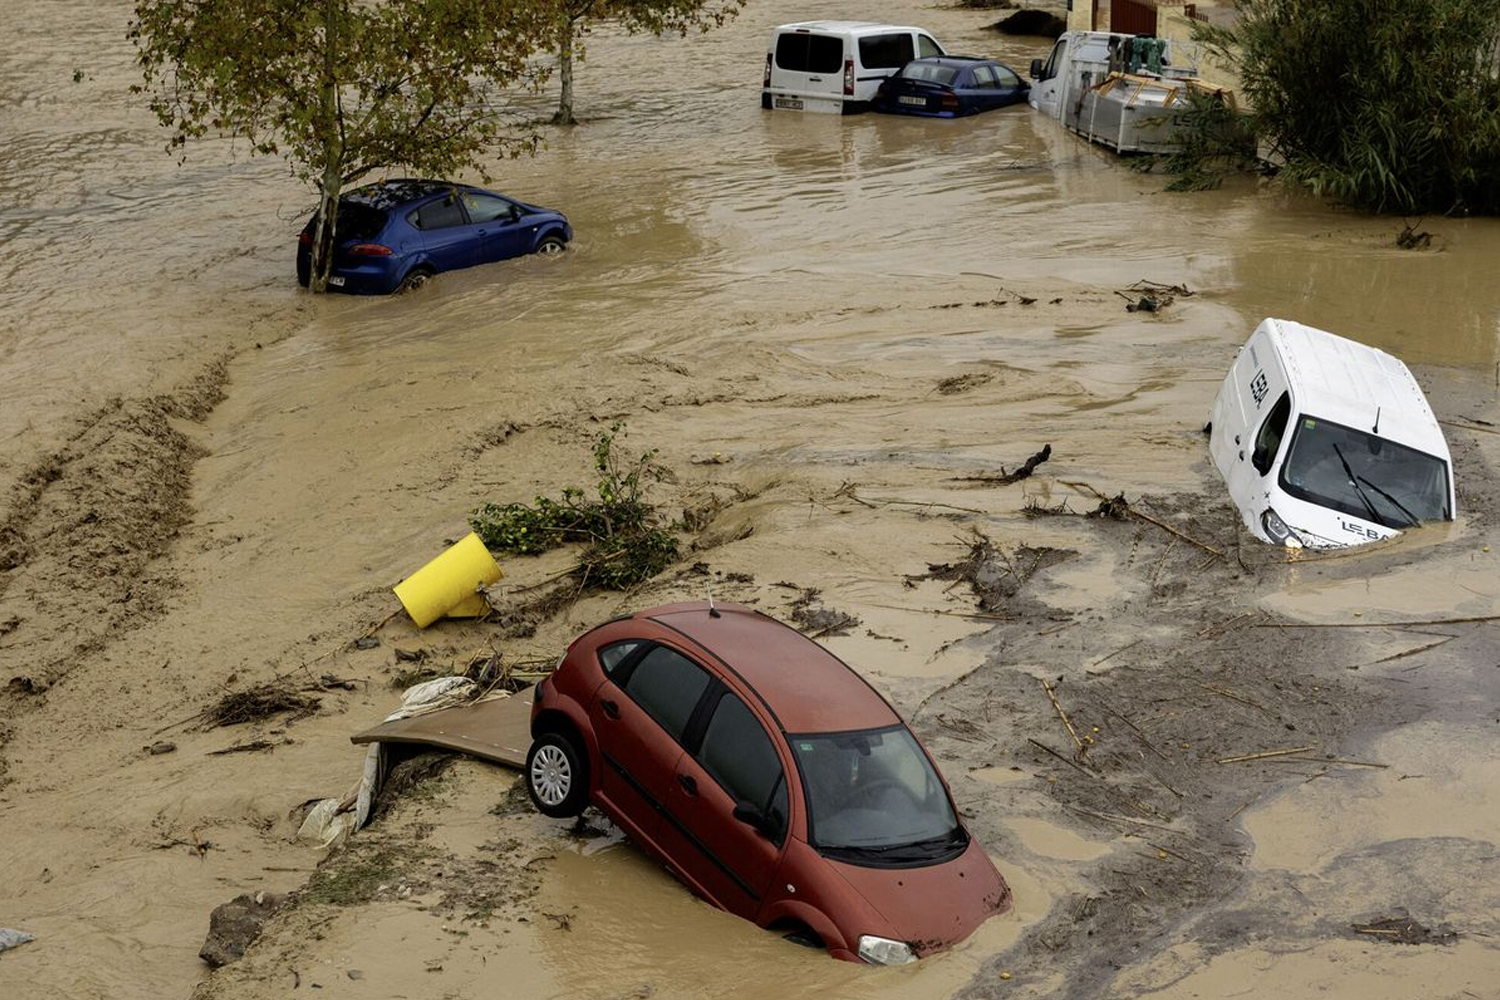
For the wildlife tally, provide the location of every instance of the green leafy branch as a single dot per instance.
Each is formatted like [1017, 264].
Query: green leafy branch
[625, 538]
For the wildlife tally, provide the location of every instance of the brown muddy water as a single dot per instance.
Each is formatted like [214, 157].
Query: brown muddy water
[211, 479]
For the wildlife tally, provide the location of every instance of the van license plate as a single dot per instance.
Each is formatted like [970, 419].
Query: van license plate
[920, 102]
[790, 103]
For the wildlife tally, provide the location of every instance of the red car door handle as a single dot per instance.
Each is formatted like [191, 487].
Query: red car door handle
[688, 784]
[610, 709]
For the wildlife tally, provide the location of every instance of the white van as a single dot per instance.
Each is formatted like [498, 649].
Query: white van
[836, 66]
[1325, 442]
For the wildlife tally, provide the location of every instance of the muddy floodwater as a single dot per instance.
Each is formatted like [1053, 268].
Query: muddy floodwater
[838, 332]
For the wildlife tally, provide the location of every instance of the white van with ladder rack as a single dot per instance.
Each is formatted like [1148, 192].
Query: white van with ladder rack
[1325, 442]
[836, 66]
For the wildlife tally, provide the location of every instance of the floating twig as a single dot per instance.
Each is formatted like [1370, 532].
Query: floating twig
[1149, 745]
[1071, 763]
[1082, 750]
[1234, 697]
[1117, 652]
[1264, 754]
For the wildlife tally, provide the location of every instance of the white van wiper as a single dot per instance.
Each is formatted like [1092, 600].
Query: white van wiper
[1354, 481]
[1412, 519]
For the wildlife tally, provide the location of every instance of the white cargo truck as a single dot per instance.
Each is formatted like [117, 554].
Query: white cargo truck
[1123, 91]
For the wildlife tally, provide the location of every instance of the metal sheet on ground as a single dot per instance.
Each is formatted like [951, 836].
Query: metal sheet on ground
[497, 730]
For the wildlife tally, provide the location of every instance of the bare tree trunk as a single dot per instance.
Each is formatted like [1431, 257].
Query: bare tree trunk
[564, 114]
[332, 180]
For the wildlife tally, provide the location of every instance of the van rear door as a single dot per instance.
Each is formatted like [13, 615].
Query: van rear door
[807, 71]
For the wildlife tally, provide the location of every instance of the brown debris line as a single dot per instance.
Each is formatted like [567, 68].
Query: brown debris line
[1410, 624]
[956, 384]
[1021, 472]
[1402, 929]
[260, 702]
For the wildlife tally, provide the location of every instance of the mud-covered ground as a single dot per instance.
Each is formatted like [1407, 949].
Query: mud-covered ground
[840, 334]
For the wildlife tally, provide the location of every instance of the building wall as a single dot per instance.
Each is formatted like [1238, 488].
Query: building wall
[1172, 23]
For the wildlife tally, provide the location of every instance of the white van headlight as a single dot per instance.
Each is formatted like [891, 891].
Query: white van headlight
[884, 951]
[1278, 531]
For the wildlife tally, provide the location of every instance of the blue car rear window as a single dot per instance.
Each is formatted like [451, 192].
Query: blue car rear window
[359, 222]
[931, 73]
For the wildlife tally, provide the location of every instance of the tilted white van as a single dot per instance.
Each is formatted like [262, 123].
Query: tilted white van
[1325, 442]
[836, 66]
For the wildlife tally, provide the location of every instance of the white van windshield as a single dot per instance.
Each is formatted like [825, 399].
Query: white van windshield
[1364, 475]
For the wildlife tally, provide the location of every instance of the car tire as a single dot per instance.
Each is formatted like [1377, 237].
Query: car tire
[415, 278]
[557, 776]
[551, 246]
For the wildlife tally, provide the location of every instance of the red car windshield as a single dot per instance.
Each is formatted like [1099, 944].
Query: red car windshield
[873, 797]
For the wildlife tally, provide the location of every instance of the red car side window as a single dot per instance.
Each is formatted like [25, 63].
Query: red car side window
[739, 754]
[668, 686]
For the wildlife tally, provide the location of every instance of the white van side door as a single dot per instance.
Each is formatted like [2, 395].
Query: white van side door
[1267, 405]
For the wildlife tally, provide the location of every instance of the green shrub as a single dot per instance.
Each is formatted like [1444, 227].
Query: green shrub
[625, 539]
[1389, 107]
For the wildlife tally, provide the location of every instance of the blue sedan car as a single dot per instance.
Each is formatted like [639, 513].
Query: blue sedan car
[950, 86]
[394, 235]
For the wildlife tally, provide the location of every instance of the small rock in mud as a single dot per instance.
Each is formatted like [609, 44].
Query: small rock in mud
[13, 939]
[410, 655]
[235, 925]
[366, 642]
[157, 749]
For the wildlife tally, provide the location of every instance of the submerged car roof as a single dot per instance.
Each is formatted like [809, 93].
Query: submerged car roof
[806, 687]
[1353, 384]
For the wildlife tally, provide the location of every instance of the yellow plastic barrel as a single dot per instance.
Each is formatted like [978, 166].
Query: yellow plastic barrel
[449, 582]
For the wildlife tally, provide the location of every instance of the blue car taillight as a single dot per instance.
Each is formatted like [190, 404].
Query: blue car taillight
[370, 250]
[950, 102]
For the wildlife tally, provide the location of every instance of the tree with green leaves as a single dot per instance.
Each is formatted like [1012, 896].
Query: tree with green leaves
[573, 19]
[1389, 107]
[343, 88]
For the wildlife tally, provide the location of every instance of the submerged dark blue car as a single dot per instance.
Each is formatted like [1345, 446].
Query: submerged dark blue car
[394, 235]
[950, 86]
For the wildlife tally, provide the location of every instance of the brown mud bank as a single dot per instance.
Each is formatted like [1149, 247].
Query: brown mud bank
[1181, 776]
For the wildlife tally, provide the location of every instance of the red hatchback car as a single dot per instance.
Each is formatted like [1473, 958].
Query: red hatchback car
[768, 776]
